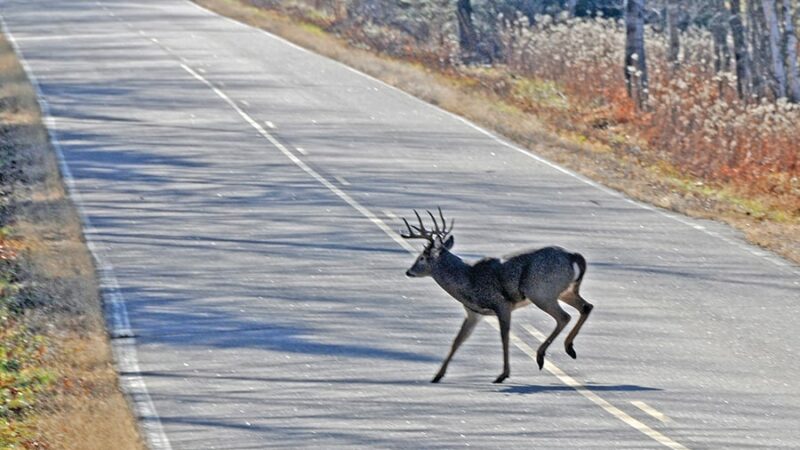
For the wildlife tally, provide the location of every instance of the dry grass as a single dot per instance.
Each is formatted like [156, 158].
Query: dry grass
[81, 406]
[587, 124]
[695, 123]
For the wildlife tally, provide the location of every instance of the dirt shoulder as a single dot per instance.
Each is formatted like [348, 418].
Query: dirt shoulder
[470, 94]
[58, 386]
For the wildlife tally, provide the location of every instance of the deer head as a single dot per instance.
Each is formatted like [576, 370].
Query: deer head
[439, 241]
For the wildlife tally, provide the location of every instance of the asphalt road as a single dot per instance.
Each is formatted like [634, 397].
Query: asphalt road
[241, 196]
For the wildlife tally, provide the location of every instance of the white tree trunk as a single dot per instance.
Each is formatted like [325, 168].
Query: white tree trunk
[635, 61]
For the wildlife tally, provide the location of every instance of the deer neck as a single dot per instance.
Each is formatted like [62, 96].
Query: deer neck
[452, 274]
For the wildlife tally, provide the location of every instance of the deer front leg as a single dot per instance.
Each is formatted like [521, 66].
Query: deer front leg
[467, 326]
[504, 317]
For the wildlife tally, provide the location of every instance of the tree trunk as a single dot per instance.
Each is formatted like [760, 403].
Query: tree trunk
[635, 60]
[778, 75]
[790, 52]
[719, 31]
[673, 55]
[744, 78]
[571, 7]
[759, 57]
[467, 38]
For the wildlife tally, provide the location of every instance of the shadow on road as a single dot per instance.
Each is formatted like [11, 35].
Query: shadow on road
[536, 389]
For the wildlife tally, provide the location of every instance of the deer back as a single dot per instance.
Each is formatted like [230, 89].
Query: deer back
[542, 273]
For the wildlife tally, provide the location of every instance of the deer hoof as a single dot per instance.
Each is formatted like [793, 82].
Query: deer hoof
[540, 360]
[571, 351]
[501, 378]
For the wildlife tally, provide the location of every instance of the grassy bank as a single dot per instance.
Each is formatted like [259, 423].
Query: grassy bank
[605, 140]
[58, 387]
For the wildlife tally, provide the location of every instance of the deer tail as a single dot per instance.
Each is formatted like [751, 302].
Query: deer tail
[579, 261]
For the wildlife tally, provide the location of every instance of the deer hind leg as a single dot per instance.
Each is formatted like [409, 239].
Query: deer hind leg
[562, 318]
[573, 298]
[467, 326]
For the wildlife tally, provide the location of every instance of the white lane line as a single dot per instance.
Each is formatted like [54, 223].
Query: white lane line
[301, 150]
[61, 37]
[776, 260]
[124, 346]
[299, 163]
[591, 395]
[561, 375]
[341, 180]
[390, 214]
[269, 125]
[651, 411]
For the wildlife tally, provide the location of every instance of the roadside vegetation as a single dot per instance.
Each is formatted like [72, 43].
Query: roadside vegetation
[691, 130]
[58, 387]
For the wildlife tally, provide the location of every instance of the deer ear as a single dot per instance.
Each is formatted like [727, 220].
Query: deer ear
[448, 244]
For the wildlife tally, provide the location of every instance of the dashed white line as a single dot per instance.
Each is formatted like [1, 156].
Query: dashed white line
[301, 150]
[299, 163]
[651, 411]
[591, 395]
[269, 125]
[342, 180]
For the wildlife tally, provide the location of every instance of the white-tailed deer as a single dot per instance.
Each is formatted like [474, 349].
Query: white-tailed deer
[497, 287]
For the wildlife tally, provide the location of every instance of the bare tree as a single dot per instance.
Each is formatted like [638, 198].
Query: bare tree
[744, 78]
[635, 59]
[673, 34]
[467, 38]
[719, 31]
[759, 61]
[777, 78]
[571, 7]
[790, 52]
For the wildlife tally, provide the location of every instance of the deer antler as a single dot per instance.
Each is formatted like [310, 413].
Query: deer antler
[417, 232]
[421, 232]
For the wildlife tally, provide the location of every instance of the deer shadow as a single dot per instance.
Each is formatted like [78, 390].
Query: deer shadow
[537, 389]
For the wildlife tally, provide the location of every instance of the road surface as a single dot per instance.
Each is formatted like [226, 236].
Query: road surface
[242, 198]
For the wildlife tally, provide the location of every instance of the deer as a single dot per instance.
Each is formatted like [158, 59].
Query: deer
[495, 286]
